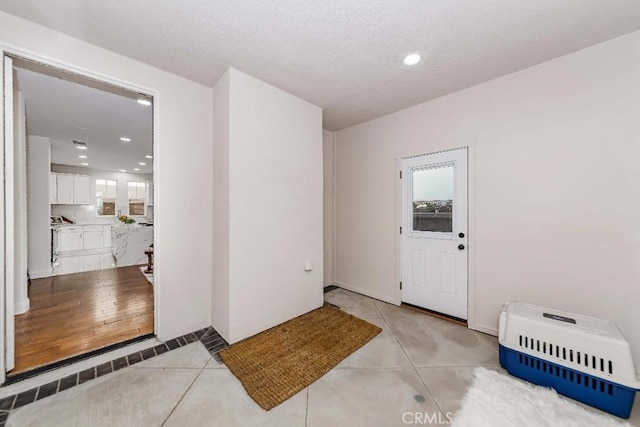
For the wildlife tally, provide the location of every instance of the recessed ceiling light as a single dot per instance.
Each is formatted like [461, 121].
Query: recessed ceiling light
[80, 145]
[122, 170]
[136, 169]
[125, 139]
[149, 156]
[142, 164]
[84, 164]
[82, 156]
[81, 128]
[144, 102]
[412, 59]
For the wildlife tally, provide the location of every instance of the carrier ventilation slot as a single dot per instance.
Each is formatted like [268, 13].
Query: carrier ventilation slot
[564, 353]
[584, 380]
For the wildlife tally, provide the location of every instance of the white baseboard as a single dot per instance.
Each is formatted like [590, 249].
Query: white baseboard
[39, 274]
[22, 306]
[484, 329]
[367, 293]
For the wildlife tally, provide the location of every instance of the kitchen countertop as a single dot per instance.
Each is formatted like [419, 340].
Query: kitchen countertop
[93, 224]
[83, 225]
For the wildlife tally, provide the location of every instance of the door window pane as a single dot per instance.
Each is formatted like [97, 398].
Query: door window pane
[433, 199]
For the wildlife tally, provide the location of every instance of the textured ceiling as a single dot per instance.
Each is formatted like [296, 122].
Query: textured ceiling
[57, 108]
[345, 56]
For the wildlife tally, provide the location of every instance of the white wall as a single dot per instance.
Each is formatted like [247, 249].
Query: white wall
[38, 207]
[183, 112]
[220, 262]
[328, 147]
[555, 152]
[275, 206]
[87, 214]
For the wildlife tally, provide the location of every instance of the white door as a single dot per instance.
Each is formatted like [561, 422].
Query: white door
[434, 232]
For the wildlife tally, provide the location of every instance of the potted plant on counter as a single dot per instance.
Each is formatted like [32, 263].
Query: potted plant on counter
[126, 220]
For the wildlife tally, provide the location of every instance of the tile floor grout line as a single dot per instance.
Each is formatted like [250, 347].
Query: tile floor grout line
[186, 391]
[386, 368]
[306, 413]
[408, 358]
[482, 365]
[167, 368]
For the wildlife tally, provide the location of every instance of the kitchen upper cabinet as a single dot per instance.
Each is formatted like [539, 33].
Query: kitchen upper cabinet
[70, 239]
[81, 190]
[69, 189]
[65, 194]
[92, 238]
[53, 188]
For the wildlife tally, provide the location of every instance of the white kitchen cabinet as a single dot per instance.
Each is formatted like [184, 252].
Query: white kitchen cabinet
[67, 189]
[83, 238]
[92, 237]
[106, 236]
[53, 188]
[70, 239]
[64, 185]
[81, 190]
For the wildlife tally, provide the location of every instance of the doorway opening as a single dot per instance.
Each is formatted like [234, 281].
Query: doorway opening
[83, 208]
[435, 233]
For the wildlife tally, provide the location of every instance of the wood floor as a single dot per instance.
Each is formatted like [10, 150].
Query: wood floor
[76, 313]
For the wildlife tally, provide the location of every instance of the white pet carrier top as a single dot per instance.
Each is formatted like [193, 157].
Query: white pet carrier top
[593, 346]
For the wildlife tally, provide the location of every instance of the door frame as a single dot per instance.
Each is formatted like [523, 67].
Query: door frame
[13, 52]
[10, 232]
[471, 229]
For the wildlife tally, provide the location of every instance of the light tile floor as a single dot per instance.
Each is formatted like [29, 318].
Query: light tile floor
[417, 364]
[82, 263]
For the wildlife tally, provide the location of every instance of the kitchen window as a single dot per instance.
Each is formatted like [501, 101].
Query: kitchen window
[137, 198]
[106, 197]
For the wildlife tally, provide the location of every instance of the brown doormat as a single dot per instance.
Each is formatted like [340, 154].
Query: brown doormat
[279, 362]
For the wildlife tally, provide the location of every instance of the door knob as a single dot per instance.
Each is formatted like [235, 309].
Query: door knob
[461, 235]
[461, 247]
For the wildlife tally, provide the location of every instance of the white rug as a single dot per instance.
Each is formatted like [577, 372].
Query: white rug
[497, 400]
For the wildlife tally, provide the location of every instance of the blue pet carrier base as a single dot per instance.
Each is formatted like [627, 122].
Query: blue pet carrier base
[605, 395]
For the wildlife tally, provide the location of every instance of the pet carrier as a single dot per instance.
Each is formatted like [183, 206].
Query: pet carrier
[581, 357]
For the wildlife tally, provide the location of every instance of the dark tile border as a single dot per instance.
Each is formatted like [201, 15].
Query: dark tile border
[209, 337]
[35, 372]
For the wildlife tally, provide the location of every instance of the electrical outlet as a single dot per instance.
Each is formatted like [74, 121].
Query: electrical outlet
[307, 266]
